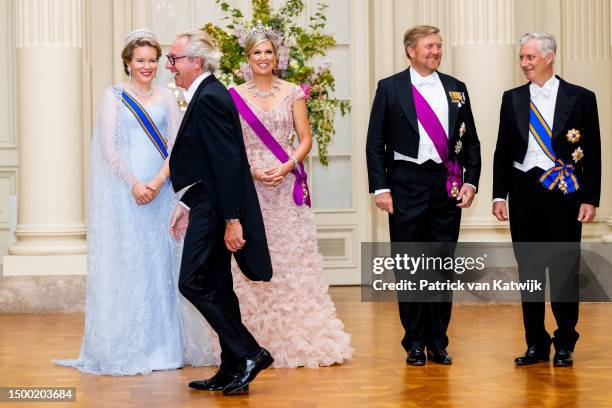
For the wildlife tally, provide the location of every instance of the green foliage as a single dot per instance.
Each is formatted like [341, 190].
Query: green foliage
[297, 47]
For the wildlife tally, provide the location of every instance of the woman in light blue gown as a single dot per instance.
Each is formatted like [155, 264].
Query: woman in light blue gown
[136, 321]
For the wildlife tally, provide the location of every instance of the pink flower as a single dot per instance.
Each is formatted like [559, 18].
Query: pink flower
[245, 69]
[306, 88]
[276, 37]
[283, 58]
[241, 34]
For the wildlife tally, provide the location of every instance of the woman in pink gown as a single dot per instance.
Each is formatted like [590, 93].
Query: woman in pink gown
[292, 316]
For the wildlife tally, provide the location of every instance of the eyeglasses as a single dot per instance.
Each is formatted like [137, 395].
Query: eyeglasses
[173, 59]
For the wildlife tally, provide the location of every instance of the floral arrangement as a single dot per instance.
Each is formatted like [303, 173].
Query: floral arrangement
[296, 47]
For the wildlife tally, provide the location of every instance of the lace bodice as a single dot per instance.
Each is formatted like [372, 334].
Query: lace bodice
[279, 121]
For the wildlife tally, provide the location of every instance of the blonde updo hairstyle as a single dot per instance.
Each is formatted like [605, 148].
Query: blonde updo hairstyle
[128, 50]
[254, 39]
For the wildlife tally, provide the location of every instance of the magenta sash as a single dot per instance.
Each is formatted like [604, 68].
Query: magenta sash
[301, 194]
[431, 123]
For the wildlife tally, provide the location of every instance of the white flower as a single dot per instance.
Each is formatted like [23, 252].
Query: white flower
[323, 67]
[290, 42]
[240, 33]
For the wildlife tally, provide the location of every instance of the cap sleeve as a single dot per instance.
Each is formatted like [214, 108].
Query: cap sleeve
[298, 93]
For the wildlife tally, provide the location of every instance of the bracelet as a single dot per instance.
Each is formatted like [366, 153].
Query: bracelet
[232, 220]
[295, 162]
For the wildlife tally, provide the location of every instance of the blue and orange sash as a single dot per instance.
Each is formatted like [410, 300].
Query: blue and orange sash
[146, 122]
[560, 176]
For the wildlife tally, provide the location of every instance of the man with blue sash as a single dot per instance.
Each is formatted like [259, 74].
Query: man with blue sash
[421, 138]
[548, 165]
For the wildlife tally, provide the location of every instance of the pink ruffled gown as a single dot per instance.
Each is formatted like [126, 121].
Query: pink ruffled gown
[292, 316]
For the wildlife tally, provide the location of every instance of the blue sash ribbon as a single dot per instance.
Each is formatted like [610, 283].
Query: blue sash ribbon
[560, 176]
[147, 123]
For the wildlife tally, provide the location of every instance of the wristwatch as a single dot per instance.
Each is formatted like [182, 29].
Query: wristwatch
[231, 220]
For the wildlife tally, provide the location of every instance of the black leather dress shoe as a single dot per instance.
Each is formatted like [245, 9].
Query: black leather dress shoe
[533, 355]
[247, 371]
[215, 383]
[416, 356]
[563, 358]
[439, 356]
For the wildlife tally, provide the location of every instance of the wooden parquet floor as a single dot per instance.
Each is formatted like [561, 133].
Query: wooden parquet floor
[484, 341]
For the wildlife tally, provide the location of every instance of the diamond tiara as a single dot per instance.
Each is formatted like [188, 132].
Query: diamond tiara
[261, 29]
[140, 33]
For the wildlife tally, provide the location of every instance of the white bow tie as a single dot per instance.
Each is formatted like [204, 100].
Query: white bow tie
[537, 91]
[425, 81]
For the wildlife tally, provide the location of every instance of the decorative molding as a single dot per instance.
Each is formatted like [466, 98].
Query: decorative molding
[9, 156]
[586, 29]
[332, 247]
[607, 237]
[8, 134]
[8, 187]
[488, 230]
[49, 23]
[483, 21]
[341, 270]
[44, 265]
[334, 233]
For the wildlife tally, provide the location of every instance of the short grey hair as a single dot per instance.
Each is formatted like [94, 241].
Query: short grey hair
[546, 42]
[199, 44]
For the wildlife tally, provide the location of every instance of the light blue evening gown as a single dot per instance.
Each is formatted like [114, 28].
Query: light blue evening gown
[133, 309]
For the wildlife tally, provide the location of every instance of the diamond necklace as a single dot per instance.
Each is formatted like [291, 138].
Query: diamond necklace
[276, 85]
[141, 94]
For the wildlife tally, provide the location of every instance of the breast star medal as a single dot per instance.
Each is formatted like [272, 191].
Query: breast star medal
[462, 129]
[458, 146]
[577, 155]
[573, 135]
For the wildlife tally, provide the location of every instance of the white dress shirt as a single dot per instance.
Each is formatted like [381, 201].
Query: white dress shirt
[188, 94]
[431, 88]
[545, 99]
